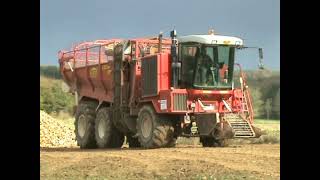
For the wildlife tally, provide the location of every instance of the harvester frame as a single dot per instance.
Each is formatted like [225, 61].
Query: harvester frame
[133, 88]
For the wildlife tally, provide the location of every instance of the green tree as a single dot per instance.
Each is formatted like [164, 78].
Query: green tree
[50, 71]
[276, 105]
[47, 101]
[257, 102]
[53, 98]
[268, 107]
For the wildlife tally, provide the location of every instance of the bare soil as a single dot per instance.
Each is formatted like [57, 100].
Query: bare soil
[246, 161]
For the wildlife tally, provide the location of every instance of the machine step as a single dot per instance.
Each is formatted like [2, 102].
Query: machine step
[241, 127]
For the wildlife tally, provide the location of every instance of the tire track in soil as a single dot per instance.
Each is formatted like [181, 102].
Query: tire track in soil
[250, 161]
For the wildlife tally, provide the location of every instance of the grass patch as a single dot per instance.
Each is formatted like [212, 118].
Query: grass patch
[271, 129]
[265, 121]
[48, 82]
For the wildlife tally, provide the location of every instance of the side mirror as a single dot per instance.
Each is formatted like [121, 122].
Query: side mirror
[260, 53]
[261, 66]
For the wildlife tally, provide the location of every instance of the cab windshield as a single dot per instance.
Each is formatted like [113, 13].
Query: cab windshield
[207, 67]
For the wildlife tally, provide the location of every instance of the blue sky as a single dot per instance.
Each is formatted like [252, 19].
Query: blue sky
[65, 22]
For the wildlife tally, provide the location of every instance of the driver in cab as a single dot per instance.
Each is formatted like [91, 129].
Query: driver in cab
[204, 64]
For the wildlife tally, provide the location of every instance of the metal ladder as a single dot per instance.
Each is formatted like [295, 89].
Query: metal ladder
[246, 105]
[241, 126]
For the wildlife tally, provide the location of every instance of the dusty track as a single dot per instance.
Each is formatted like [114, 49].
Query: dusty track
[248, 161]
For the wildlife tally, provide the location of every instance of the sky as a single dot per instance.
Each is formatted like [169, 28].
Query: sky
[63, 23]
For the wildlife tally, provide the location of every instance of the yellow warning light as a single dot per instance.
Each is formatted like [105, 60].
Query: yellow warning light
[226, 42]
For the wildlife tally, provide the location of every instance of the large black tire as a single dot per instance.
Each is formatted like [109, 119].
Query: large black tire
[106, 134]
[133, 142]
[153, 131]
[212, 142]
[172, 142]
[117, 139]
[84, 124]
[207, 141]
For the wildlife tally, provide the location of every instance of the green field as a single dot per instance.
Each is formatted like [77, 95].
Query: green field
[268, 125]
[266, 121]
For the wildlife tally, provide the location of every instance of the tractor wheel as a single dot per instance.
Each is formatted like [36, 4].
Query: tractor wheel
[117, 139]
[212, 142]
[221, 143]
[103, 128]
[84, 124]
[172, 142]
[133, 142]
[153, 131]
[207, 141]
[107, 136]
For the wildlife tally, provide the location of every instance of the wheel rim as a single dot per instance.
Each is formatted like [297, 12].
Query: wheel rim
[146, 125]
[101, 128]
[82, 125]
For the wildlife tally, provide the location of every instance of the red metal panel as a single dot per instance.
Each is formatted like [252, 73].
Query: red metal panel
[87, 70]
[163, 71]
[100, 71]
[214, 99]
[83, 61]
[166, 76]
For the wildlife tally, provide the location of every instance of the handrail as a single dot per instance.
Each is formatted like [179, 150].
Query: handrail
[100, 71]
[88, 74]
[74, 73]
[251, 114]
[246, 94]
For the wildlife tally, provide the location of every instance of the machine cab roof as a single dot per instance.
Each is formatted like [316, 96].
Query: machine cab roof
[211, 39]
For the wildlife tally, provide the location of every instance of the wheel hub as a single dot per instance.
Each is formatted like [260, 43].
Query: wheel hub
[82, 125]
[101, 128]
[146, 125]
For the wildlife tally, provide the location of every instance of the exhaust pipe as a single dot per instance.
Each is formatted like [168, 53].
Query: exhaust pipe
[175, 64]
[160, 43]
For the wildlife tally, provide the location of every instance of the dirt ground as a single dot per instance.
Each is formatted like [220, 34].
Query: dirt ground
[247, 161]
